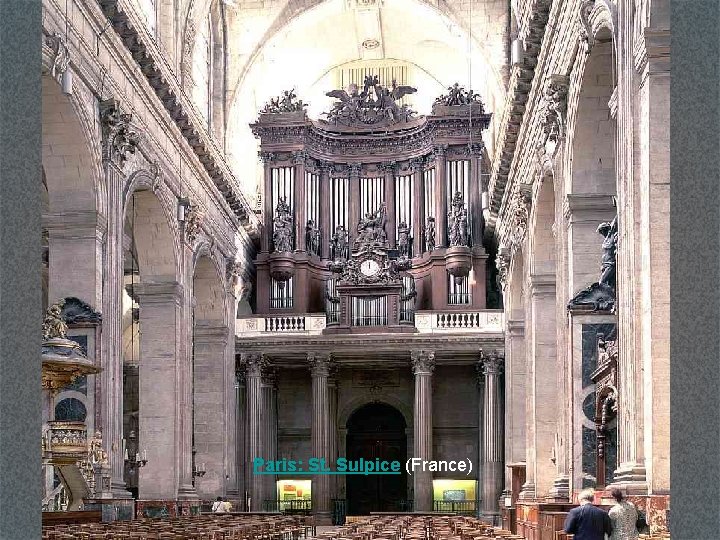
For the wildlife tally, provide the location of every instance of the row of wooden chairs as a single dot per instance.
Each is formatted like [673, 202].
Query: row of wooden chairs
[418, 528]
[204, 527]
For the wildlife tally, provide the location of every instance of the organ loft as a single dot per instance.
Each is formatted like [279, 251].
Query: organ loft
[377, 306]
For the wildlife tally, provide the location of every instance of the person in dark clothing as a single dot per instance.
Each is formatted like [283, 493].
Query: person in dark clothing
[588, 522]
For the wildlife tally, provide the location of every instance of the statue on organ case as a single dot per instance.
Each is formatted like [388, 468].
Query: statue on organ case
[339, 243]
[282, 227]
[371, 230]
[312, 237]
[430, 234]
[403, 244]
[457, 222]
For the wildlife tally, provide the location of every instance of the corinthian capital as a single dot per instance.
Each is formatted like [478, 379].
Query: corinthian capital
[423, 362]
[321, 365]
[118, 137]
[491, 362]
[255, 363]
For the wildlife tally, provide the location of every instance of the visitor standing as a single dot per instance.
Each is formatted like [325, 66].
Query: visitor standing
[218, 506]
[588, 522]
[624, 517]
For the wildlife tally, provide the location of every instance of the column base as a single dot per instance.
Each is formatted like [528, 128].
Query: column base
[560, 490]
[119, 490]
[492, 518]
[631, 478]
[112, 509]
[528, 491]
[187, 493]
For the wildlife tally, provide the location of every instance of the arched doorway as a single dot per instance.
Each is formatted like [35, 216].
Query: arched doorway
[376, 430]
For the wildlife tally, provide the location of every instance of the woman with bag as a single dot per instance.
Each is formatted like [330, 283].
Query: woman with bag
[624, 518]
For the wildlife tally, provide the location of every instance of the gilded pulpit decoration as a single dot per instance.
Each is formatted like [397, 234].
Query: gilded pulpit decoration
[54, 326]
[61, 55]
[457, 95]
[118, 137]
[423, 362]
[403, 243]
[555, 108]
[374, 105]
[287, 102]
[339, 243]
[312, 237]
[458, 222]
[429, 234]
[193, 222]
[601, 295]
[282, 228]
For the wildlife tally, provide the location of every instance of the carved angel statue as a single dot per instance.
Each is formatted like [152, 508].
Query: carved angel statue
[282, 227]
[457, 221]
[54, 326]
[312, 237]
[403, 243]
[348, 105]
[609, 246]
[387, 98]
[430, 234]
[371, 229]
[339, 243]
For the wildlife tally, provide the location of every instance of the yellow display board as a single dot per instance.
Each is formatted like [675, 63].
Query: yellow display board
[454, 490]
[291, 490]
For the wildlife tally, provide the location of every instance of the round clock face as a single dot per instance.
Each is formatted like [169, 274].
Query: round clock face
[369, 268]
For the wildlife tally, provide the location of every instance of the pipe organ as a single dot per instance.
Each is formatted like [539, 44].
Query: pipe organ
[326, 182]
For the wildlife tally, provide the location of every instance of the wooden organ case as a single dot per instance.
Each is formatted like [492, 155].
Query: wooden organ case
[373, 212]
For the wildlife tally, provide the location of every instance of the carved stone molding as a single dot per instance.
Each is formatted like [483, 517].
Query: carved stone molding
[554, 113]
[266, 157]
[440, 150]
[118, 137]
[586, 33]
[423, 362]
[502, 263]
[519, 218]
[321, 365]
[193, 223]
[388, 167]
[354, 170]
[299, 157]
[61, 55]
[187, 55]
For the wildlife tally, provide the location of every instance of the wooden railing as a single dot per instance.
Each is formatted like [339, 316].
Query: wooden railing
[456, 507]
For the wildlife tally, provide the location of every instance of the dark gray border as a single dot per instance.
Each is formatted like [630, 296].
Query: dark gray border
[695, 271]
[20, 302]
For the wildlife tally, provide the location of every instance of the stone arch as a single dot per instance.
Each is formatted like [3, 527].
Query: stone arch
[357, 403]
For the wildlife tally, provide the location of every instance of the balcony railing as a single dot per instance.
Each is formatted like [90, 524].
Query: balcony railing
[289, 506]
[426, 322]
[456, 507]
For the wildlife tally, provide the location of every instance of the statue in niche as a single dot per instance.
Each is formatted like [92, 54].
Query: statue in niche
[312, 237]
[457, 222]
[339, 243]
[600, 296]
[371, 230]
[282, 227]
[430, 234]
[403, 243]
[54, 326]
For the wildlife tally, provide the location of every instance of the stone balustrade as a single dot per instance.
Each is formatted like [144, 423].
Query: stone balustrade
[426, 322]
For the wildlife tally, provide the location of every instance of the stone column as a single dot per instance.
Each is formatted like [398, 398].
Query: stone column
[117, 141]
[515, 360]
[543, 412]
[423, 365]
[160, 383]
[418, 224]
[300, 203]
[440, 197]
[267, 158]
[254, 364]
[269, 429]
[354, 200]
[325, 208]
[333, 432]
[492, 437]
[320, 372]
[388, 169]
[241, 418]
[211, 424]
